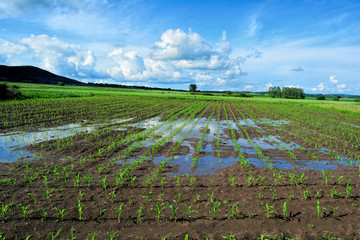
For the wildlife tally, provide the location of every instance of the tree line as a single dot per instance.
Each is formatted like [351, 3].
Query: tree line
[287, 92]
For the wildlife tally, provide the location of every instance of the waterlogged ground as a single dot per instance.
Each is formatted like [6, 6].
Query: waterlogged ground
[156, 168]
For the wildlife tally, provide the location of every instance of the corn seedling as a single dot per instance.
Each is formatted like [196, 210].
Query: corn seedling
[285, 213]
[113, 195]
[101, 214]
[92, 235]
[80, 210]
[179, 197]
[334, 193]
[24, 210]
[291, 196]
[306, 194]
[112, 235]
[319, 209]
[325, 176]
[61, 213]
[233, 209]
[118, 211]
[188, 211]
[348, 189]
[274, 192]
[214, 205]
[54, 236]
[139, 214]
[158, 209]
[269, 211]
[174, 210]
[232, 180]
[4, 209]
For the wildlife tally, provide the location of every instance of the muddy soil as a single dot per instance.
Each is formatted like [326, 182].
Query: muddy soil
[240, 200]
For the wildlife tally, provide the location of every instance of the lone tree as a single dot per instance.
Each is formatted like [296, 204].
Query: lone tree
[192, 87]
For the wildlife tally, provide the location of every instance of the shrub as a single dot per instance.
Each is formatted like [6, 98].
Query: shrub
[9, 92]
[357, 100]
[336, 98]
[322, 97]
[60, 84]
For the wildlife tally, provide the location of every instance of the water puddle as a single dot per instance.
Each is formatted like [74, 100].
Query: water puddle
[10, 143]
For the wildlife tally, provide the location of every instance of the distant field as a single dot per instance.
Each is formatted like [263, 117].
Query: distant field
[54, 91]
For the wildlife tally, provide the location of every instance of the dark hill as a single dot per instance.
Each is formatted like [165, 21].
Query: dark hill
[30, 74]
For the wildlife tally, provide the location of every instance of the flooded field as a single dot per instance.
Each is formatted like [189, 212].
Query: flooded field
[280, 166]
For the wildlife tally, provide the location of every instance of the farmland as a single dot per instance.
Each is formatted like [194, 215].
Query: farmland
[134, 165]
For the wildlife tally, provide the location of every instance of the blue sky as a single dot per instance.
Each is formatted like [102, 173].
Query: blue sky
[219, 45]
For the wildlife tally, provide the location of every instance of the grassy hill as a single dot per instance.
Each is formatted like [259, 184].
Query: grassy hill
[30, 74]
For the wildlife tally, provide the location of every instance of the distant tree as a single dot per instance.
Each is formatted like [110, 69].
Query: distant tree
[60, 83]
[228, 93]
[337, 98]
[322, 97]
[192, 87]
[272, 92]
[278, 92]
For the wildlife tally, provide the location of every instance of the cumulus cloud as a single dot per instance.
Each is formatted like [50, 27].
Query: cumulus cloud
[191, 51]
[181, 56]
[333, 80]
[297, 69]
[268, 85]
[319, 87]
[341, 87]
[8, 49]
[62, 58]
[131, 66]
[248, 87]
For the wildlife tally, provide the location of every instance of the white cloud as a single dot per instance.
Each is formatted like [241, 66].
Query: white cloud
[319, 88]
[178, 45]
[191, 51]
[131, 66]
[63, 58]
[248, 87]
[220, 82]
[268, 85]
[8, 49]
[184, 57]
[333, 80]
[341, 87]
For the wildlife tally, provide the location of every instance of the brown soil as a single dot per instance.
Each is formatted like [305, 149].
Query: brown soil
[254, 189]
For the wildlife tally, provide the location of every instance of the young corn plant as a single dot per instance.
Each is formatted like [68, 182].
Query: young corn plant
[188, 211]
[214, 205]
[4, 210]
[24, 210]
[158, 209]
[112, 235]
[334, 193]
[174, 210]
[233, 210]
[118, 211]
[113, 195]
[80, 210]
[319, 210]
[232, 180]
[139, 214]
[348, 189]
[61, 213]
[325, 176]
[306, 194]
[285, 213]
[54, 236]
[270, 211]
